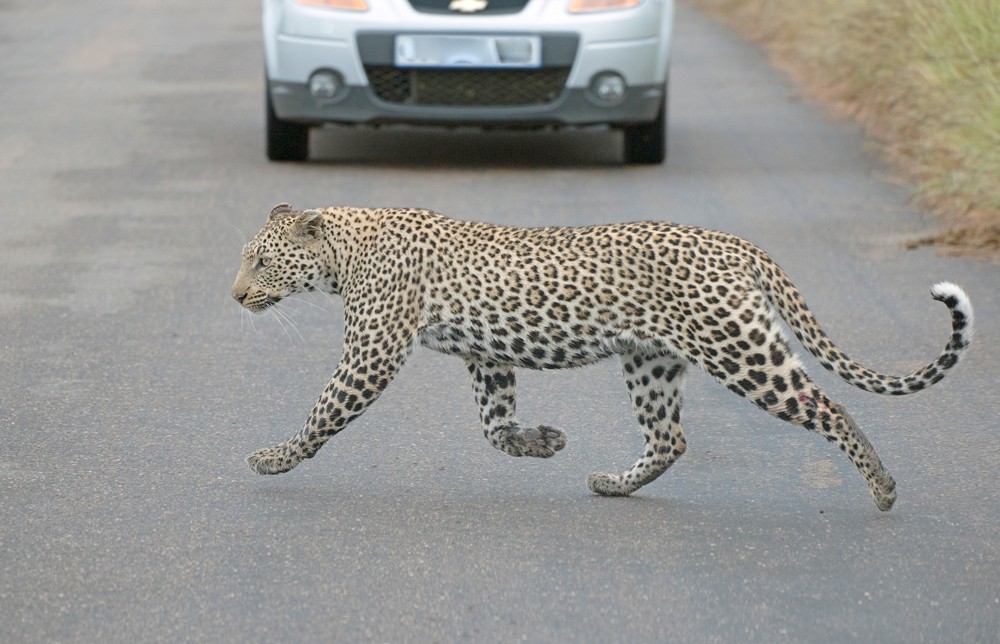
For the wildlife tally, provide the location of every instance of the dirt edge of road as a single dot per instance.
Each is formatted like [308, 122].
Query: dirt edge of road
[916, 76]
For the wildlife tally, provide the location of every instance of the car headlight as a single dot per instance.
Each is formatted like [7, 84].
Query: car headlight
[586, 6]
[344, 5]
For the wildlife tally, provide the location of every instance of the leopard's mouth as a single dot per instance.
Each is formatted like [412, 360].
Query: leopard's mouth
[262, 305]
[268, 303]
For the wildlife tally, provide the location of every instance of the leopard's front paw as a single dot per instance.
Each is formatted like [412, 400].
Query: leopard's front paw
[273, 460]
[609, 485]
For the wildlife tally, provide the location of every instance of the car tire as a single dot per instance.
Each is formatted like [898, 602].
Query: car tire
[646, 143]
[286, 141]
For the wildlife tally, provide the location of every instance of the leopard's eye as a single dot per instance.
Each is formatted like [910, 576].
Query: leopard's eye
[262, 262]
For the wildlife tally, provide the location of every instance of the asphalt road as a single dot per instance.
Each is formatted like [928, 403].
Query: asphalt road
[131, 165]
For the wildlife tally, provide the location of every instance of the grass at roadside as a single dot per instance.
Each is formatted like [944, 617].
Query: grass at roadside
[922, 77]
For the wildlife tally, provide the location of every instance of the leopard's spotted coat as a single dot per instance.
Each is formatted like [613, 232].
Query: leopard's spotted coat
[661, 296]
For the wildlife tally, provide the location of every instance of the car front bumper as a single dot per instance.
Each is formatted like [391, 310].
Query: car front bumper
[358, 105]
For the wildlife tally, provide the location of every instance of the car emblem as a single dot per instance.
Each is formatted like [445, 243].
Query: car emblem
[467, 6]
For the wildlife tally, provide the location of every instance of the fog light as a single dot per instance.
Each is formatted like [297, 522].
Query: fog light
[608, 88]
[325, 83]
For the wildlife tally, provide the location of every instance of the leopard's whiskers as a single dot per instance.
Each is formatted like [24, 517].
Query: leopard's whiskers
[308, 303]
[242, 235]
[253, 327]
[327, 296]
[283, 316]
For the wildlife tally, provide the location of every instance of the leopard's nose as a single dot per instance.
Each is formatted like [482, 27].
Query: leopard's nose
[239, 297]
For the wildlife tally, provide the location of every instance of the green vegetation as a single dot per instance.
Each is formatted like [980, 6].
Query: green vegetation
[922, 76]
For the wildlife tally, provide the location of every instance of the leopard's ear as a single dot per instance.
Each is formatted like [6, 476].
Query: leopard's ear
[280, 209]
[307, 227]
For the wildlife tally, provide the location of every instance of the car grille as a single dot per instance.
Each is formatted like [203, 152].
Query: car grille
[445, 6]
[467, 87]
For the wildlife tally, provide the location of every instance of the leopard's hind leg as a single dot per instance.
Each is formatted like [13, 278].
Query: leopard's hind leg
[832, 421]
[769, 374]
[496, 394]
[655, 386]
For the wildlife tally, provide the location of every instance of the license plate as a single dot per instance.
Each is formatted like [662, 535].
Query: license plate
[425, 50]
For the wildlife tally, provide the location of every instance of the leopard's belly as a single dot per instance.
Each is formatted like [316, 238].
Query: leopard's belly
[534, 351]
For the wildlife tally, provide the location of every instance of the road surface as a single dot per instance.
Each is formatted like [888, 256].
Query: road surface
[132, 166]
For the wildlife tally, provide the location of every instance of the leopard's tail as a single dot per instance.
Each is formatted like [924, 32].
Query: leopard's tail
[792, 308]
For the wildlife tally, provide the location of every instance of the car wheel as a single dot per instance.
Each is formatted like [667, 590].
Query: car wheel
[286, 141]
[646, 143]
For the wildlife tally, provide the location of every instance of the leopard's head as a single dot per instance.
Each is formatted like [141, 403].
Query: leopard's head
[284, 258]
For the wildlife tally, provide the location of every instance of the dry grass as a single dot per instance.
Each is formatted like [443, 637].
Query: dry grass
[922, 77]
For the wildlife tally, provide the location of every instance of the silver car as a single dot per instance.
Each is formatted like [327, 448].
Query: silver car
[486, 63]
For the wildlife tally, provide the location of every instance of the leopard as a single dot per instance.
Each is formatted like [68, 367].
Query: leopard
[660, 296]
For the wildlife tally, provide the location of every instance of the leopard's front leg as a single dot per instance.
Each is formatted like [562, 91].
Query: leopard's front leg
[341, 402]
[365, 370]
[496, 394]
